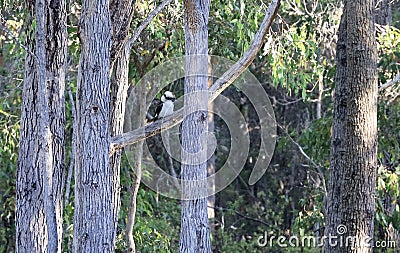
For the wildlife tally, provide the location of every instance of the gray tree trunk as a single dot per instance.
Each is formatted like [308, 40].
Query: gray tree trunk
[40, 172]
[121, 12]
[119, 92]
[354, 139]
[358, 197]
[383, 15]
[333, 201]
[94, 223]
[195, 232]
[211, 161]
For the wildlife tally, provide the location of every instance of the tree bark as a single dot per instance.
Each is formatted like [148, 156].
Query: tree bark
[354, 141]
[121, 12]
[195, 231]
[358, 206]
[211, 161]
[94, 212]
[119, 93]
[383, 14]
[40, 171]
[333, 201]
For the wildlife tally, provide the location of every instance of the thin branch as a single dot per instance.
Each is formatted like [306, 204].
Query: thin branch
[126, 139]
[300, 148]
[74, 128]
[243, 215]
[390, 83]
[170, 161]
[7, 114]
[147, 21]
[15, 39]
[283, 102]
[134, 188]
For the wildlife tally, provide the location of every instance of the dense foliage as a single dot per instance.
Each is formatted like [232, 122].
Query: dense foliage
[296, 67]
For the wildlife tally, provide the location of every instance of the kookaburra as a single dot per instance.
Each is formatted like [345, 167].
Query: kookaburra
[165, 107]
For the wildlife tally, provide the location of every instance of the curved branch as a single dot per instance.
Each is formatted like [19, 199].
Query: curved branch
[126, 139]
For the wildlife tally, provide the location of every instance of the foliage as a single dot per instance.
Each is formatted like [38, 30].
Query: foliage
[388, 182]
[156, 226]
[11, 69]
[301, 54]
[297, 58]
[8, 159]
[389, 53]
[316, 140]
[233, 25]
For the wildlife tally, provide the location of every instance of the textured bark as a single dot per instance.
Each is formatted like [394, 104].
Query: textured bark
[56, 64]
[40, 172]
[121, 12]
[211, 161]
[94, 214]
[361, 124]
[333, 201]
[383, 14]
[119, 93]
[121, 16]
[354, 158]
[195, 231]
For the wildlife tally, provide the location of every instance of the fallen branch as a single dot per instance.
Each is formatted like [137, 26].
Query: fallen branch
[126, 139]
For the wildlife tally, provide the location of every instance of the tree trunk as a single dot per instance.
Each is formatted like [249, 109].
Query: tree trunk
[40, 172]
[119, 93]
[333, 201]
[383, 15]
[354, 140]
[211, 161]
[195, 232]
[121, 12]
[360, 161]
[94, 211]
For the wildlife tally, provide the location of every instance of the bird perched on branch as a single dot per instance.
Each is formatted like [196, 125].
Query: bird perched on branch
[164, 108]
